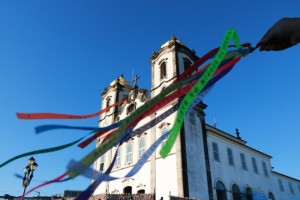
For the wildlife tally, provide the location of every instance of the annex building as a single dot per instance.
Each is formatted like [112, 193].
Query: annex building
[205, 163]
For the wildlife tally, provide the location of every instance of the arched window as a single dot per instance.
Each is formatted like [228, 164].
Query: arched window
[108, 102]
[130, 108]
[141, 192]
[221, 191]
[101, 167]
[186, 63]
[127, 190]
[142, 146]
[248, 192]
[129, 153]
[163, 70]
[271, 196]
[236, 195]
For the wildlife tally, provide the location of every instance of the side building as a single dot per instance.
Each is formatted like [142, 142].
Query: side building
[204, 163]
[241, 172]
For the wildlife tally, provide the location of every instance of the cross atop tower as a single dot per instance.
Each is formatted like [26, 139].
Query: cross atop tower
[135, 80]
[238, 134]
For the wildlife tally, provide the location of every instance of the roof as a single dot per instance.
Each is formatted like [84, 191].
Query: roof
[121, 80]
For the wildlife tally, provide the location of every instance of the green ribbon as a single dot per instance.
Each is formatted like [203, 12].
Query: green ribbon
[195, 91]
[40, 152]
[106, 145]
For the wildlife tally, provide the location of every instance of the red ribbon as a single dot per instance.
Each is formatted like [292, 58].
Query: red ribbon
[30, 116]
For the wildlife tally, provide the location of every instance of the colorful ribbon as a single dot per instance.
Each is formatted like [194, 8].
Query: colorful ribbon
[113, 138]
[40, 152]
[100, 177]
[193, 84]
[29, 116]
[189, 98]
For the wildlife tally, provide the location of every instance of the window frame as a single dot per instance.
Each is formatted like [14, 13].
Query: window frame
[186, 63]
[142, 149]
[129, 153]
[163, 69]
[264, 165]
[291, 188]
[281, 187]
[254, 165]
[216, 154]
[164, 130]
[235, 192]
[108, 103]
[243, 161]
[117, 163]
[230, 157]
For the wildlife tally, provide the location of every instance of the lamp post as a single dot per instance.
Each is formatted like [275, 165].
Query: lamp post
[28, 173]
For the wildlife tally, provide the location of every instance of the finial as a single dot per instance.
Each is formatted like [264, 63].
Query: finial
[173, 37]
[122, 75]
[237, 134]
[215, 123]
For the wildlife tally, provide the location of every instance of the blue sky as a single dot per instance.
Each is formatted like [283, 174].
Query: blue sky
[57, 56]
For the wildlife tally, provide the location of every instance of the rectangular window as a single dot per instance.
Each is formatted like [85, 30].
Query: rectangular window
[280, 185]
[129, 153]
[164, 130]
[254, 165]
[243, 161]
[291, 188]
[230, 156]
[265, 169]
[216, 151]
[142, 146]
[118, 158]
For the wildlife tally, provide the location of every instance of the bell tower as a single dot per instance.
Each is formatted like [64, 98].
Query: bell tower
[117, 90]
[183, 172]
[168, 62]
[171, 60]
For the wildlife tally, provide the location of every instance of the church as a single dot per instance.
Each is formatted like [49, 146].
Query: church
[205, 163]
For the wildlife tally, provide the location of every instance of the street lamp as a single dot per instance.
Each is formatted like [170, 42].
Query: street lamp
[28, 173]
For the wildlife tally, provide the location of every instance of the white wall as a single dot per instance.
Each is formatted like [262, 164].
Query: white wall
[235, 174]
[197, 178]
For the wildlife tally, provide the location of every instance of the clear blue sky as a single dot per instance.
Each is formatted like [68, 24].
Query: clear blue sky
[57, 56]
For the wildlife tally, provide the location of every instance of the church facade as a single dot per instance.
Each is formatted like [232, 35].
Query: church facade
[205, 162]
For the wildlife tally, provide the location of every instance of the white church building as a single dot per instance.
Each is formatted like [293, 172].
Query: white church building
[205, 163]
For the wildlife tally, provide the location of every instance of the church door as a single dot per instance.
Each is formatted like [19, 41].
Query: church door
[127, 190]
